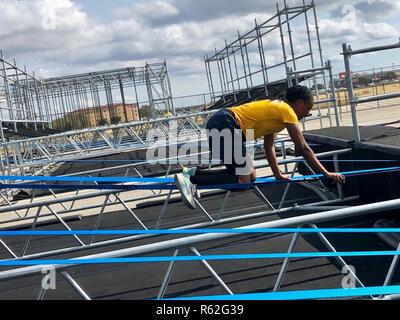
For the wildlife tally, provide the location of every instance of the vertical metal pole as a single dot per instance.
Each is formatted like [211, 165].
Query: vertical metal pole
[312, 61]
[224, 204]
[337, 169]
[392, 269]
[33, 228]
[121, 88]
[236, 69]
[208, 68]
[96, 226]
[167, 277]
[289, 81]
[153, 113]
[248, 64]
[290, 39]
[333, 93]
[135, 89]
[39, 104]
[163, 210]
[262, 56]
[220, 76]
[225, 75]
[18, 94]
[244, 65]
[7, 88]
[170, 95]
[346, 55]
[230, 71]
[8, 93]
[285, 264]
[29, 100]
[320, 54]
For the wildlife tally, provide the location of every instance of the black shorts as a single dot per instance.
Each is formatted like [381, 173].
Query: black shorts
[232, 150]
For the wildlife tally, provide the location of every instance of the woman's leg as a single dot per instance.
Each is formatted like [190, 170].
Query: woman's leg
[213, 177]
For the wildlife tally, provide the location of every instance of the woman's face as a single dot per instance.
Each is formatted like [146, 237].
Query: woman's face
[303, 108]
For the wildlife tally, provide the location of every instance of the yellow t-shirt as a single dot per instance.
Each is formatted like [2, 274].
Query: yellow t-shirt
[264, 116]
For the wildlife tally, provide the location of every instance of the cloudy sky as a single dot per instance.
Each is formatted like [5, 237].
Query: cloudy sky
[58, 37]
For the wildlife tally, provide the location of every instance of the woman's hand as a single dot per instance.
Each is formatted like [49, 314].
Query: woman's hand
[282, 177]
[336, 177]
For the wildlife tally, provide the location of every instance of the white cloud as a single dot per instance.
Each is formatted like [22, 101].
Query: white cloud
[149, 10]
[180, 31]
[380, 31]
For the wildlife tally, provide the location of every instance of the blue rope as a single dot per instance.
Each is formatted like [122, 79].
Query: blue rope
[162, 183]
[302, 295]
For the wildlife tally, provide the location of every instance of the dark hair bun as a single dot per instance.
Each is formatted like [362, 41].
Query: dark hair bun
[298, 92]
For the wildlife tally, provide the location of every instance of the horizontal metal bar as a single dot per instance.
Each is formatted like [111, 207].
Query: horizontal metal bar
[324, 101]
[372, 49]
[377, 98]
[309, 70]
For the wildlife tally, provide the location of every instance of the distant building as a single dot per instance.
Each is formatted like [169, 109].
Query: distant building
[103, 115]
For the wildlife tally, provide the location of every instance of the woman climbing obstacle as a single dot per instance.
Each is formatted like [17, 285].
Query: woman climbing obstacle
[229, 129]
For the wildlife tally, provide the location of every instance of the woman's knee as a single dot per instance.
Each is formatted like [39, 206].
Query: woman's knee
[251, 178]
[254, 175]
[244, 179]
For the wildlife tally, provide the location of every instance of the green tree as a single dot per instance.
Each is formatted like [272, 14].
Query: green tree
[102, 122]
[364, 81]
[115, 119]
[319, 86]
[391, 75]
[145, 112]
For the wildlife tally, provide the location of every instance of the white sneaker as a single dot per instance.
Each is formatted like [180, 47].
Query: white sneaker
[189, 171]
[185, 187]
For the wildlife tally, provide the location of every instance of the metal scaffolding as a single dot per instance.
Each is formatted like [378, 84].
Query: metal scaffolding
[26, 156]
[20, 103]
[30, 106]
[112, 85]
[244, 72]
[348, 52]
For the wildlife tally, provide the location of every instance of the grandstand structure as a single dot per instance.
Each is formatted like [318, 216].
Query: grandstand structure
[32, 106]
[243, 70]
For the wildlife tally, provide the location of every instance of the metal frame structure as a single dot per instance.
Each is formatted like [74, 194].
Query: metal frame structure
[47, 208]
[19, 97]
[45, 103]
[190, 243]
[348, 52]
[82, 88]
[70, 203]
[79, 144]
[237, 73]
